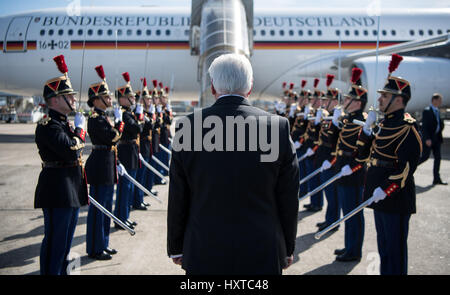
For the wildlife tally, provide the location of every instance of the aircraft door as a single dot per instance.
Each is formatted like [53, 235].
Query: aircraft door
[15, 39]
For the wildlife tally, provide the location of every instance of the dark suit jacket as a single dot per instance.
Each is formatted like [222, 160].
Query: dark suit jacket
[429, 125]
[228, 212]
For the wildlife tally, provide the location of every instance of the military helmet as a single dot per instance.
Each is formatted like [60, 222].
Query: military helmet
[97, 89]
[126, 89]
[332, 93]
[356, 91]
[396, 85]
[59, 85]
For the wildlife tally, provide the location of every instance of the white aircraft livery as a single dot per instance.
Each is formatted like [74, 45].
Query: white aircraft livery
[284, 45]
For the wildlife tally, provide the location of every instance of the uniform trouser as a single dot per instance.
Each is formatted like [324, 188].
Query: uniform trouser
[163, 156]
[159, 155]
[59, 227]
[333, 208]
[302, 167]
[149, 175]
[392, 235]
[316, 199]
[436, 148]
[125, 190]
[138, 195]
[98, 224]
[350, 197]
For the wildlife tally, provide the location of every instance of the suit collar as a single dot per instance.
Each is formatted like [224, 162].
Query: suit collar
[231, 99]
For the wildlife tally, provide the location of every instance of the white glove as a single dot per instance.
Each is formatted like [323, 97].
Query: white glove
[325, 165]
[318, 116]
[292, 110]
[371, 118]
[307, 109]
[79, 120]
[297, 145]
[378, 195]
[118, 114]
[120, 169]
[139, 109]
[309, 152]
[346, 170]
[336, 114]
[158, 108]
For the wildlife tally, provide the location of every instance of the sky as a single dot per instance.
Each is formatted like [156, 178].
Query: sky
[17, 6]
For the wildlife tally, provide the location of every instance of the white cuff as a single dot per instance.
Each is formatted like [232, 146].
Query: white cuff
[176, 256]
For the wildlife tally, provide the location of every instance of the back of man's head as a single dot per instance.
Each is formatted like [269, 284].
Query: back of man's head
[231, 74]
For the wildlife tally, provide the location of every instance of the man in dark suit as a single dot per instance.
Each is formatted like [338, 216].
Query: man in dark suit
[432, 126]
[232, 210]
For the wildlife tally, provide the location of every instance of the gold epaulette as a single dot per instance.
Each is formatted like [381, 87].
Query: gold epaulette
[79, 144]
[117, 137]
[409, 119]
[44, 121]
[94, 115]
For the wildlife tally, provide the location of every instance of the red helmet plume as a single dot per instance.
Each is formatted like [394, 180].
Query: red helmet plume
[155, 83]
[330, 79]
[395, 61]
[61, 63]
[303, 83]
[316, 82]
[100, 72]
[356, 74]
[126, 77]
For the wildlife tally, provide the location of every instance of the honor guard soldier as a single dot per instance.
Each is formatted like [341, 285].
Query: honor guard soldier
[128, 150]
[144, 147]
[157, 130]
[392, 150]
[329, 133]
[310, 146]
[165, 128]
[299, 129]
[350, 185]
[62, 187]
[101, 167]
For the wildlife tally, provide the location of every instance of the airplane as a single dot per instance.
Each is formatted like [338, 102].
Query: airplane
[284, 45]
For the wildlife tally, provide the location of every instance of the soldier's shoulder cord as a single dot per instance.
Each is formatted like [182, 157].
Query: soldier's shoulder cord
[44, 121]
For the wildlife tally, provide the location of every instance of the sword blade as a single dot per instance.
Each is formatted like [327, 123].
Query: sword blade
[140, 186]
[311, 175]
[349, 215]
[321, 187]
[110, 215]
[160, 163]
[165, 149]
[153, 169]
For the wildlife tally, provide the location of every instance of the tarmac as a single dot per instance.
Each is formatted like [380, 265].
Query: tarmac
[22, 228]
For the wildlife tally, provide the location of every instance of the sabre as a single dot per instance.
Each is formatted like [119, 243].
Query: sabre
[160, 163]
[315, 172]
[327, 183]
[321, 187]
[151, 168]
[359, 122]
[349, 215]
[165, 149]
[311, 175]
[140, 186]
[306, 155]
[110, 215]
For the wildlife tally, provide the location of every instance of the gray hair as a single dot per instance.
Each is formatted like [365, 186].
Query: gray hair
[231, 74]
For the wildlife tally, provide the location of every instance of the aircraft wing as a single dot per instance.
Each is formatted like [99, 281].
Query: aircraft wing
[436, 46]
